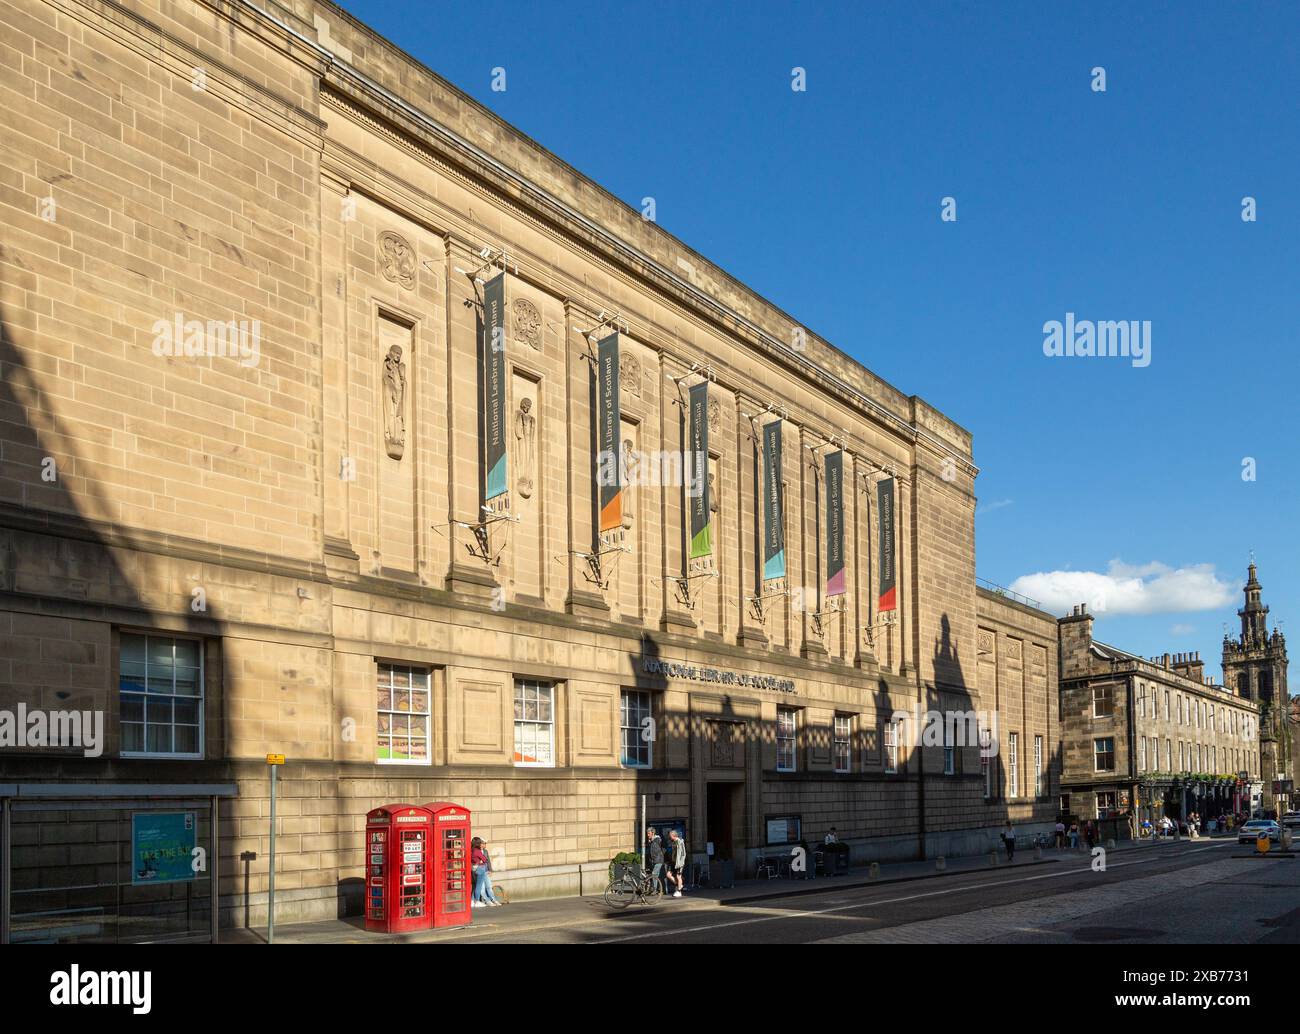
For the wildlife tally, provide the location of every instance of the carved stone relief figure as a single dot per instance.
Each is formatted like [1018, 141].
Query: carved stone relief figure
[713, 494]
[526, 436]
[396, 259]
[715, 415]
[629, 373]
[630, 460]
[528, 323]
[394, 402]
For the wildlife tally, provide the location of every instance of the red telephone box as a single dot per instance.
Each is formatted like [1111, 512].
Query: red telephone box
[452, 878]
[399, 839]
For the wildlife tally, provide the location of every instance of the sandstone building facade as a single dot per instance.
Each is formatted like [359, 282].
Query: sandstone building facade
[1151, 737]
[269, 286]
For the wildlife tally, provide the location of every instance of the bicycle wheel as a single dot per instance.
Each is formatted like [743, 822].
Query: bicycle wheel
[619, 893]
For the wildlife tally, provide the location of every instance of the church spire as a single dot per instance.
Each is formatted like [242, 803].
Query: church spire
[1254, 616]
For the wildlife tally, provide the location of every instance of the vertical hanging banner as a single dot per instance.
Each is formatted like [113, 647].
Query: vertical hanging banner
[773, 508]
[609, 480]
[697, 483]
[496, 494]
[888, 575]
[835, 524]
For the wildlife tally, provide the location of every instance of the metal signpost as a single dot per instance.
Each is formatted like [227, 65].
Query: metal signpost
[274, 761]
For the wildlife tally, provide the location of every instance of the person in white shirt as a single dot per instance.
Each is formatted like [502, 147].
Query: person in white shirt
[832, 837]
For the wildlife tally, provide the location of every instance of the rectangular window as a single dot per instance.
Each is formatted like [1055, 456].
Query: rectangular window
[786, 725]
[403, 715]
[986, 762]
[1142, 755]
[1168, 713]
[891, 746]
[1013, 765]
[637, 727]
[1142, 701]
[1105, 803]
[160, 684]
[1169, 755]
[1038, 766]
[1103, 752]
[1155, 703]
[843, 737]
[1102, 702]
[534, 724]
[1182, 760]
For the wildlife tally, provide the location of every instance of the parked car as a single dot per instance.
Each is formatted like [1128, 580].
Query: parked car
[1256, 828]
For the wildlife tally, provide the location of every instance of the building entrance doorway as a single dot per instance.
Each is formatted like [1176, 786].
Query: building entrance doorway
[720, 818]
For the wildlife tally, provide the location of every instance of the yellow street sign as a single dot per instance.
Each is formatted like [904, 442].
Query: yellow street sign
[275, 759]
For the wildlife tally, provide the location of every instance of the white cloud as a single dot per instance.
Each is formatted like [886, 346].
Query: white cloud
[1153, 588]
[1182, 629]
[997, 505]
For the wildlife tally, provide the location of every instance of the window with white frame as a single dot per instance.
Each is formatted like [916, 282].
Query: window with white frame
[160, 686]
[891, 746]
[1142, 700]
[1013, 764]
[1105, 803]
[1182, 760]
[403, 719]
[949, 749]
[1103, 753]
[534, 724]
[1038, 766]
[786, 728]
[1103, 704]
[1169, 755]
[636, 725]
[1142, 754]
[842, 746]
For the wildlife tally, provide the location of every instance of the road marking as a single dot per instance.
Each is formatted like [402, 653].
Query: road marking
[891, 901]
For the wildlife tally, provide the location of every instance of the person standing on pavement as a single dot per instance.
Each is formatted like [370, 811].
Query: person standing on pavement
[1090, 834]
[1009, 838]
[481, 863]
[654, 855]
[676, 862]
[1060, 834]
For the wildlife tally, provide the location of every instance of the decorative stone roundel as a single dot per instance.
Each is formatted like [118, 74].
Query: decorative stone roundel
[528, 322]
[397, 259]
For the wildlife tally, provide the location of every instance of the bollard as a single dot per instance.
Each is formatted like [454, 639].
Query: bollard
[941, 863]
[1110, 844]
[1038, 851]
[874, 872]
[993, 858]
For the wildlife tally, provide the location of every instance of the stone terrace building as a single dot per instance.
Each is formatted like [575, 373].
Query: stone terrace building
[248, 250]
[1154, 737]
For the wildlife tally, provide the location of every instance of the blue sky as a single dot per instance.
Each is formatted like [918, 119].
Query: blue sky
[1122, 205]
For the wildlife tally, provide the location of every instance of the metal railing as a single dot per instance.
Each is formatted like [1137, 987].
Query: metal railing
[1002, 590]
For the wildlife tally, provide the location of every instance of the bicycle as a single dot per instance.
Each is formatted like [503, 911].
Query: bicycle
[633, 885]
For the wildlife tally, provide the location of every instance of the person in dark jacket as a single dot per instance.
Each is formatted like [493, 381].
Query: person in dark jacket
[654, 855]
